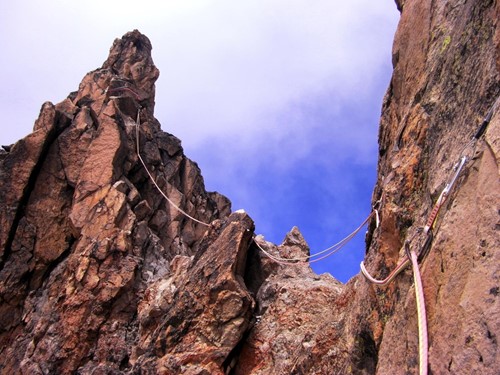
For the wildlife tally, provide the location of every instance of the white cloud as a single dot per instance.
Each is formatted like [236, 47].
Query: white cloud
[226, 66]
[240, 65]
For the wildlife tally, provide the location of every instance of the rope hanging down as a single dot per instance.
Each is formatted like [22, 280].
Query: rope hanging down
[430, 223]
[466, 154]
[410, 257]
[423, 340]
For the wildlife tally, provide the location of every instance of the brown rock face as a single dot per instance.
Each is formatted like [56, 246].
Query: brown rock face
[99, 274]
[85, 237]
[446, 77]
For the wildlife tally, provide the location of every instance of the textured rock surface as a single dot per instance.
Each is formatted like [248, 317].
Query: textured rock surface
[85, 236]
[100, 275]
[294, 307]
[446, 76]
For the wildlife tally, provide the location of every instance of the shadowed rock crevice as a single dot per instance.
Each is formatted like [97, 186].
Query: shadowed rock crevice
[32, 153]
[365, 353]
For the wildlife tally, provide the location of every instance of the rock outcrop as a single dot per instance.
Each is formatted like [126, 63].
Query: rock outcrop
[446, 77]
[87, 241]
[100, 274]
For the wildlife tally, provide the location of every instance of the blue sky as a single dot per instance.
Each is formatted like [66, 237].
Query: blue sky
[278, 101]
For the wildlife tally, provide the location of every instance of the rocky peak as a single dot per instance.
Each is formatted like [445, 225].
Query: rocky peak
[84, 230]
[131, 62]
[119, 262]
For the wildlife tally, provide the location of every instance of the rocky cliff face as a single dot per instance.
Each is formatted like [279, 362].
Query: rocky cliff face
[99, 274]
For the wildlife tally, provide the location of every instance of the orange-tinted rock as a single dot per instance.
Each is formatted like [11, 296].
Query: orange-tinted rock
[99, 274]
[75, 259]
[445, 80]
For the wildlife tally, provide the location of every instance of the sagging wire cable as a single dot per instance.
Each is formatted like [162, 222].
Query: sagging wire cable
[410, 255]
[311, 258]
[431, 220]
[400, 267]
[321, 254]
[333, 249]
[137, 135]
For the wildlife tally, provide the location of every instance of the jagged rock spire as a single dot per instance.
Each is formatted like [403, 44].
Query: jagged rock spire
[130, 59]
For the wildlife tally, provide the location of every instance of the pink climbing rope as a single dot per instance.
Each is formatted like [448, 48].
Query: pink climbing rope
[411, 256]
[423, 341]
